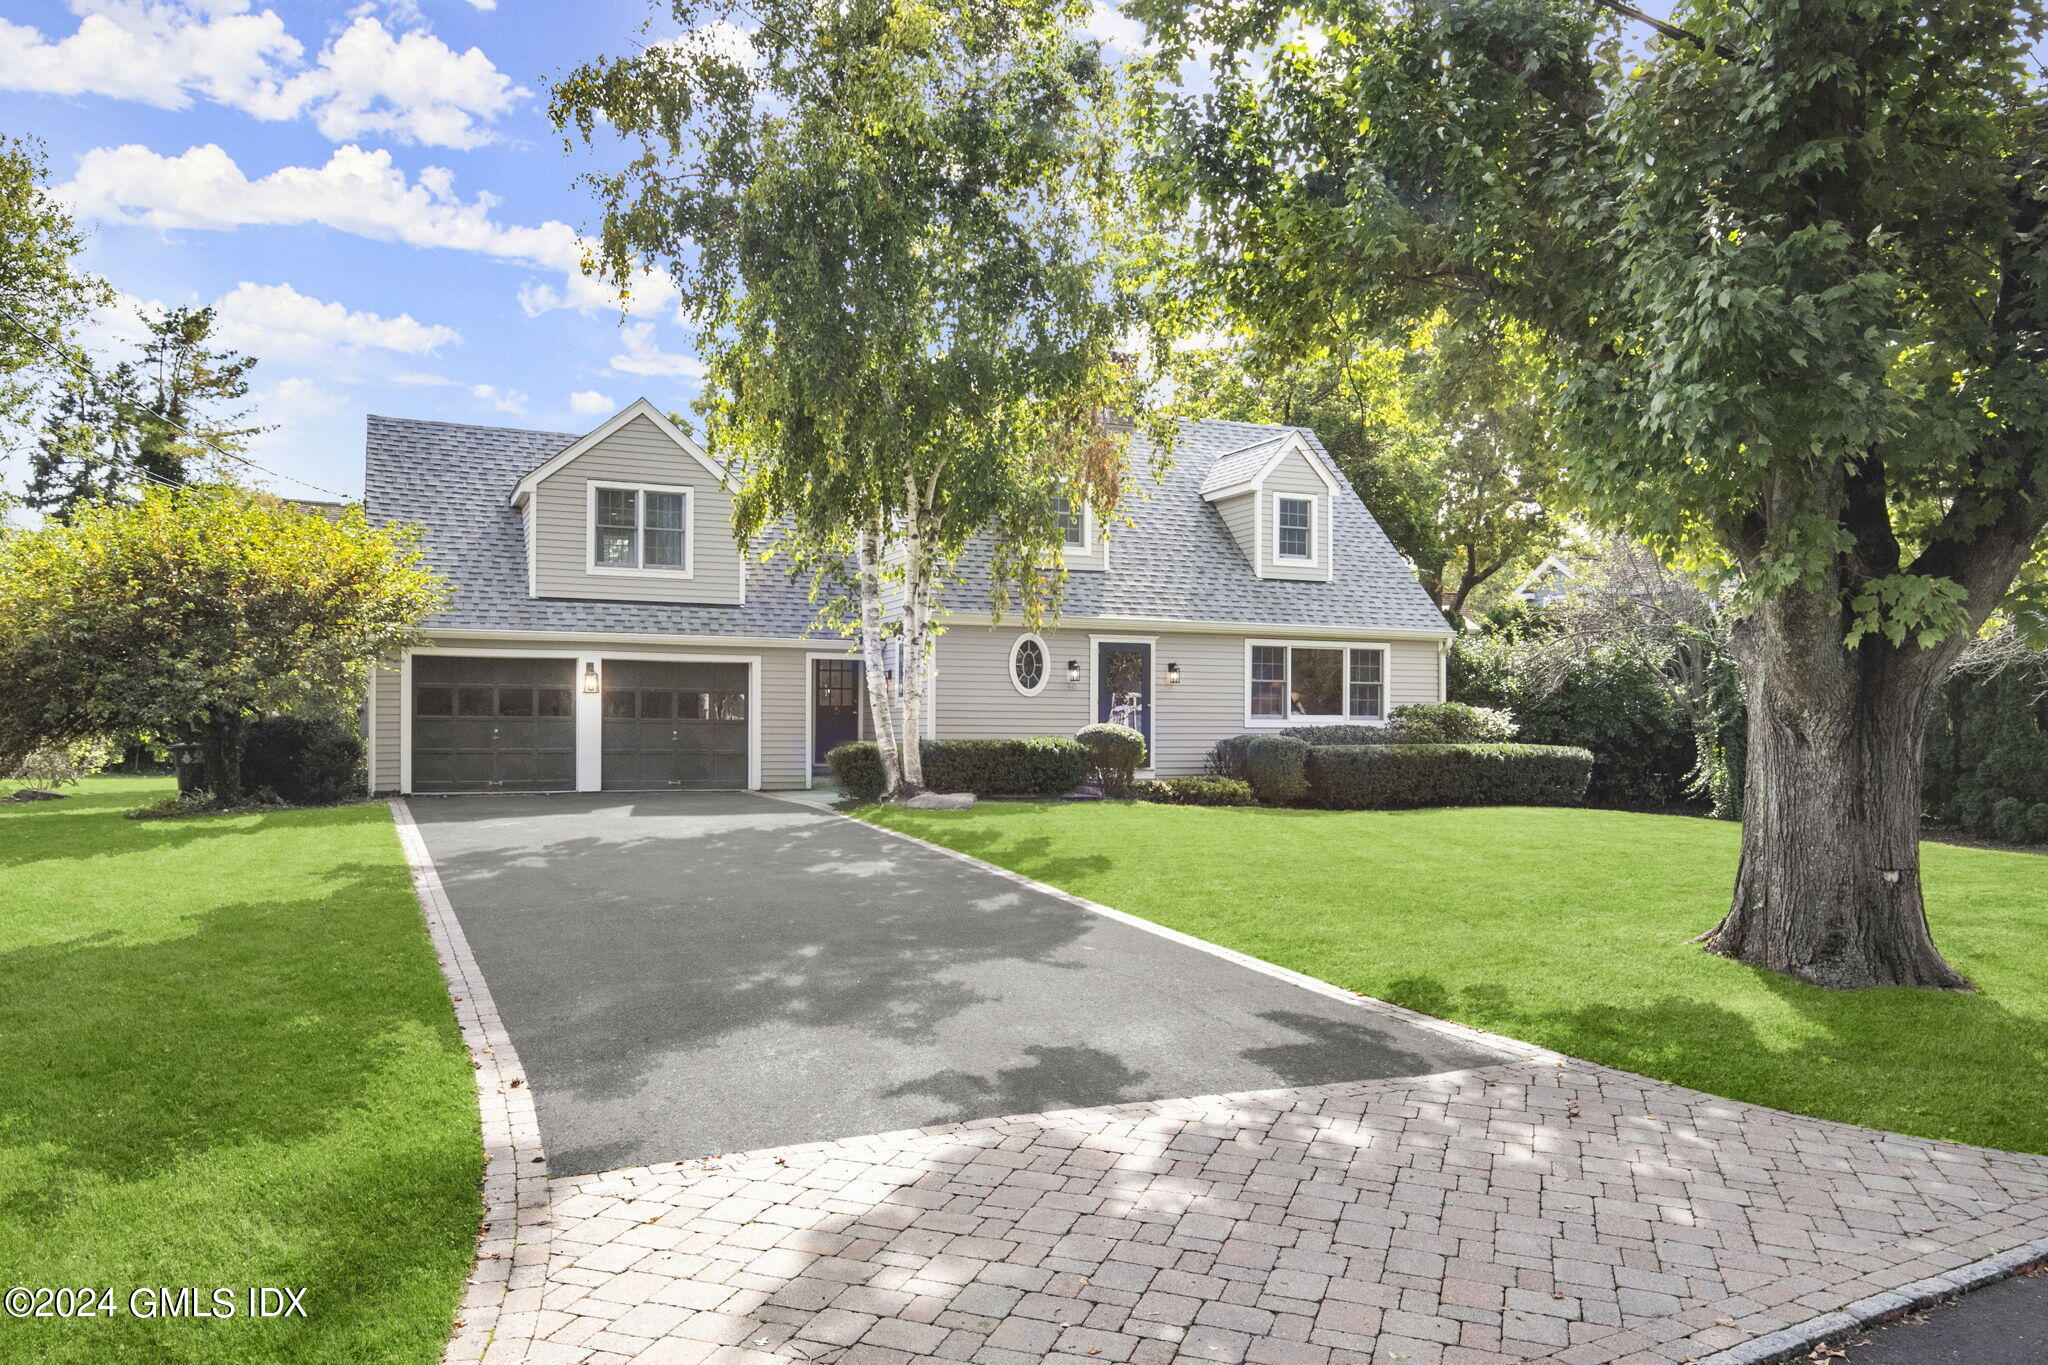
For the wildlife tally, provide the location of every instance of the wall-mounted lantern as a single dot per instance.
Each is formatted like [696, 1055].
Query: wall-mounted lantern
[1173, 673]
[591, 682]
[1073, 670]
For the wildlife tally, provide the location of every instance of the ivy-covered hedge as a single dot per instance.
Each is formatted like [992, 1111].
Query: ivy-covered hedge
[1401, 776]
[1195, 791]
[985, 767]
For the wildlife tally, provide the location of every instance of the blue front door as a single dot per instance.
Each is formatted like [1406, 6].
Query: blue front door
[1123, 685]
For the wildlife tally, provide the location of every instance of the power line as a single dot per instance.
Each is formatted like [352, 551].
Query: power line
[50, 349]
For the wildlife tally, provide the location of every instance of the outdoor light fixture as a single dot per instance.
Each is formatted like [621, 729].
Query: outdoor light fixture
[590, 682]
[1173, 673]
[1073, 670]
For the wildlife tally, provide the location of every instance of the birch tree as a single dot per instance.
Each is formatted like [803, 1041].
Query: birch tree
[1789, 259]
[889, 223]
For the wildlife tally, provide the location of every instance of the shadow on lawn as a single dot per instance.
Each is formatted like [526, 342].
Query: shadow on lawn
[83, 825]
[1909, 1061]
[119, 1058]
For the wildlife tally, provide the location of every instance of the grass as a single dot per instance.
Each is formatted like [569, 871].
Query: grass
[227, 1059]
[1568, 928]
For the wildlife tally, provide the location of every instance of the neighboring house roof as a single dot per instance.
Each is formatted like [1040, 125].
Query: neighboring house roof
[1547, 580]
[1177, 562]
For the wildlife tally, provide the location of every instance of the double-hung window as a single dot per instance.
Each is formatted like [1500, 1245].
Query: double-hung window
[639, 528]
[1317, 682]
[1073, 524]
[1294, 529]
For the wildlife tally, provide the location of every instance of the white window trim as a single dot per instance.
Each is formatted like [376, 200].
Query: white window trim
[1282, 721]
[1086, 548]
[590, 491]
[1315, 524]
[1044, 663]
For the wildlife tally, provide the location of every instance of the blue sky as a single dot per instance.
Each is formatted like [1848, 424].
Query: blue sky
[373, 198]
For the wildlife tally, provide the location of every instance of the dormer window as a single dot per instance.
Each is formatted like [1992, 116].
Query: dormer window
[639, 529]
[1294, 530]
[1075, 525]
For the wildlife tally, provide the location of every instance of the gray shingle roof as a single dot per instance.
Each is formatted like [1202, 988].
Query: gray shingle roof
[1177, 562]
[1234, 468]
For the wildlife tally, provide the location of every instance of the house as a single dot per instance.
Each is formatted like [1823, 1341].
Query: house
[1551, 581]
[606, 631]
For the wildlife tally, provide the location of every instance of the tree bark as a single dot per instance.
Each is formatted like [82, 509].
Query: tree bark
[916, 634]
[1828, 890]
[868, 562]
[225, 736]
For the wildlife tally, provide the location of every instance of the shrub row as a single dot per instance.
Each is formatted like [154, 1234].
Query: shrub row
[1195, 791]
[985, 767]
[1401, 776]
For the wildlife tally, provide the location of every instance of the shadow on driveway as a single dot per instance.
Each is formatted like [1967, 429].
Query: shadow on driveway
[692, 973]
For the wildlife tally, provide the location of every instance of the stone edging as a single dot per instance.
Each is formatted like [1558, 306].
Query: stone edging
[1771, 1349]
[495, 1321]
[1795, 1342]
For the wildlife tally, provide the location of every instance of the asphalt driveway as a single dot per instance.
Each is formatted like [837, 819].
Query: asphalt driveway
[687, 974]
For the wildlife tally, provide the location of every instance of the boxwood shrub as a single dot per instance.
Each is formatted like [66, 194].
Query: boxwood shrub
[1400, 776]
[1114, 753]
[1276, 766]
[985, 767]
[1195, 791]
[1344, 734]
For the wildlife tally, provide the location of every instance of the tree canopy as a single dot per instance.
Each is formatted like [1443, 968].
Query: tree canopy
[886, 221]
[1787, 262]
[43, 294]
[191, 610]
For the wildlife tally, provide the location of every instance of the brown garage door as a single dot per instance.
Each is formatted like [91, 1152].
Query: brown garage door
[674, 726]
[482, 725]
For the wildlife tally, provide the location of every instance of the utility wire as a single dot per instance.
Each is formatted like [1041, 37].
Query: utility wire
[51, 350]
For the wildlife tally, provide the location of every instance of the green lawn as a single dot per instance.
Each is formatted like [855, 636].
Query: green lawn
[1568, 928]
[227, 1059]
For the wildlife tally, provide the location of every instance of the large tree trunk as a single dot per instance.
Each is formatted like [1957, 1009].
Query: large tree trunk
[1829, 886]
[868, 561]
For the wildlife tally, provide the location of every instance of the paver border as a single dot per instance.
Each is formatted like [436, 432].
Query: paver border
[1770, 1349]
[494, 1321]
[1796, 1341]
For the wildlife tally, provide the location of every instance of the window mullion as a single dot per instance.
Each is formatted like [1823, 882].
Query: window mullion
[640, 528]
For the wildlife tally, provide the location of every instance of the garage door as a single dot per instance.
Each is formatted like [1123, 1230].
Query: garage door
[674, 725]
[493, 724]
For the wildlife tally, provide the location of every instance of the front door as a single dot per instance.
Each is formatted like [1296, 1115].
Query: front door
[1123, 685]
[835, 702]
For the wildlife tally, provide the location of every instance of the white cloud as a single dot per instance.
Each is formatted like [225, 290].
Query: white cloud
[358, 192]
[367, 79]
[504, 400]
[644, 357]
[1114, 28]
[276, 320]
[591, 403]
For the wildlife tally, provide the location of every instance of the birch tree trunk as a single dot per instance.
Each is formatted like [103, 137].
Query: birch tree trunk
[916, 634]
[1828, 890]
[868, 561]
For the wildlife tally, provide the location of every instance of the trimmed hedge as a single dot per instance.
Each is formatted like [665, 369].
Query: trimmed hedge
[1344, 734]
[1195, 791]
[1453, 722]
[1401, 776]
[985, 767]
[1114, 753]
[1276, 766]
[303, 762]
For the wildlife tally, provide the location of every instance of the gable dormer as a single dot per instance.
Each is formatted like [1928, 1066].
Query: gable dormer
[1277, 497]
[635, 511]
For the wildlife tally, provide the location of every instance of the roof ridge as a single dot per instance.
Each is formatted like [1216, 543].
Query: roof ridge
[470, 426]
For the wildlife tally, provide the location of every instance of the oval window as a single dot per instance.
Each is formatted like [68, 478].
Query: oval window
[1027, 664]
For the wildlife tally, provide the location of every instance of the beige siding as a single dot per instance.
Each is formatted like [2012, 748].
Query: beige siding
[780, 699]
[384, 743]
[1294, 475]
[1240, 514]
[976, 699]
[637, 453]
